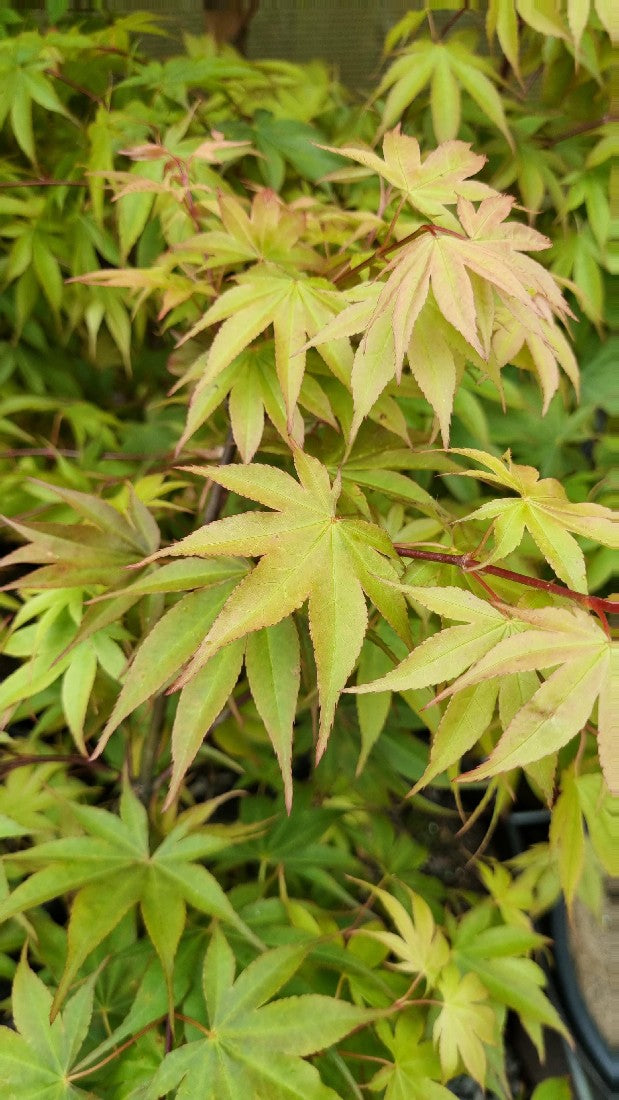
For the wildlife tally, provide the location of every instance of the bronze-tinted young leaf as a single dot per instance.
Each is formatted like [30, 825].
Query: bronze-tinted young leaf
[562, 704]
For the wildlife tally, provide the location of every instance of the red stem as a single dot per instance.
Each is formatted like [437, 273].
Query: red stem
[472, 565]
[392, 246]
[76, 87]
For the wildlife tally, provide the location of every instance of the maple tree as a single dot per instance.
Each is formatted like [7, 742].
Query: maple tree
[310, 538]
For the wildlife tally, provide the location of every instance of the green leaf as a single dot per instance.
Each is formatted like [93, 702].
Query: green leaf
[77, 685]
[465, 720]
[372, 710]
[94, 914]
[455, 648]
[113, 871]
[445, 100]
[164, 914]
[246, 414]
[273, 670]
[170, 643]
[37, 1059]
[415, 1071]
[306, 556]
[200, 703]
[134, 208]
[465, 1023]
[296, 142]
[554, 1088]
[567, 835]
[257, 1044]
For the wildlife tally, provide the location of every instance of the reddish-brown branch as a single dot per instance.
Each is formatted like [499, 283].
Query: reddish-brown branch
[453, 20]
[471, 565]
[134, 1038]
[25, 759]
[583, 128]
[393, 246]
[119, 1050]
[76, 87]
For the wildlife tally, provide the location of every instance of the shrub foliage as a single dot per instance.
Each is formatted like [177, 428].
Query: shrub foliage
[308, 539]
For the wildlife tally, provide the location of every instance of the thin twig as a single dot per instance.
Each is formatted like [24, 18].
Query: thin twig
[76, 87]
[5, 185]
[453, 20]
[471, 565]
[583, 128]
[119, 1050]
[24, 759]
[393, 246]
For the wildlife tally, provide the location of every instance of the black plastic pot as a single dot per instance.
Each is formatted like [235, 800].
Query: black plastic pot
[593, 1065]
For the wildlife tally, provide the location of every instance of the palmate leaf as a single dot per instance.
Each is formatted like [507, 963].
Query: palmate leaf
[548, 19]
[307, 552]
[430, 184]
[270, 232]
[298, 307]
[113, 870]
[419, 946]
[466, 1021]
[497, 954]
[544, 509]
[448, 652]
[36, 1059]
[254, 393]
[448, 67]
[559, 708]
[170, 643]
[255, 1046]
[416, 1067]
[437, 306]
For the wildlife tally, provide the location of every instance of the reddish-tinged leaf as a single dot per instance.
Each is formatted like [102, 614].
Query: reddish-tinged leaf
[557, 711]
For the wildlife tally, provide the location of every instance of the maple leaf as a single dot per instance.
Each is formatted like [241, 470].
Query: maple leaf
[559, 708]
[413, 1073]
[443, 655]
[497, 954]
[36, 1059]
[448, 67]
[431, 184]
[440, 292]
[567, 835]
[251, 383]
[255, 1046]
[539, 347]
[545, 510]
[112, 869]
[298, 307]
[419, 946]
[307, 552]
[448, 652]
[546, 19]
[270, 233]
[466, 1021]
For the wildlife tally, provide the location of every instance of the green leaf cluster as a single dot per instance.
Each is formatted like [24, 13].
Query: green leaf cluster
[308, 543]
